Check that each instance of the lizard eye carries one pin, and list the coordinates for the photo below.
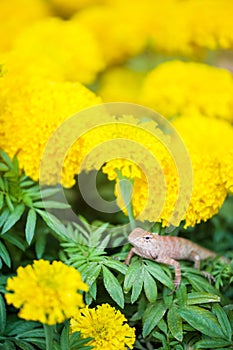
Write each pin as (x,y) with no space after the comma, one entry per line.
(147,238)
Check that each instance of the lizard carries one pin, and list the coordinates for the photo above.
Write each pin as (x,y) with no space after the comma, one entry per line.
(167,250)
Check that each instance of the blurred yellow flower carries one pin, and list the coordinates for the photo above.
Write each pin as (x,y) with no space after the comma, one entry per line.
(46,292)
(16,15)
(176,27)
(30,112)
(120,84)
(118,29)
(69,46)
(177,87)
(107,326)
(214,137)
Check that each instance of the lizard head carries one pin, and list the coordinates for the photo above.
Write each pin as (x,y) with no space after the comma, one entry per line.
(141,238)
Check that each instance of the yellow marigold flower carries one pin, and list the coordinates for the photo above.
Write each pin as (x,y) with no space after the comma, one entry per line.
(176,27)
(16,15)
(30,111)
(110,25)
(106,325)
(177,87)
(215,137)
(120,84)
(68,45)
(46,292)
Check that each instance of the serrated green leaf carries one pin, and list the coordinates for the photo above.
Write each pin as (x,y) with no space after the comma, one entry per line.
(5,255)
(150,287)
(2,315)
(156,270)
(113,286)
(116,265)
(175,323)
(64,339)
(152,316)
(201,298)
(212,344)
(134,269)
(51,205)
(223,320)
(13,217)
(202,320)
(30,225)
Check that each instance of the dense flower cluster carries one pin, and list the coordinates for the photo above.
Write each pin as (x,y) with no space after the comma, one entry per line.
(33,110)
(46,292)
(175,88)
(106,325)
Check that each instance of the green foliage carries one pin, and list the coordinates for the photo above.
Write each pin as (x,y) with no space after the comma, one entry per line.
(20,208)
(199,315)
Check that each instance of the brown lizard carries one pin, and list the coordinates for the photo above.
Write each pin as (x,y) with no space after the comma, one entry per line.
(167,250)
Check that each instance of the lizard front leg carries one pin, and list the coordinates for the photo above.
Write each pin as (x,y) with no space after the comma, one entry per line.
(129,256)
(169,261)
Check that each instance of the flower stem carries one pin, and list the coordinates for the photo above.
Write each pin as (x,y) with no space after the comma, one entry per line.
(126,187)
(49,332)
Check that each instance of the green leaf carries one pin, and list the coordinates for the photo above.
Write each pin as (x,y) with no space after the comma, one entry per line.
(5,255)
(132,274)
(201,298)
(17,241)
(157,271)
(175,323)
(6,158)
(13,217)
(23,345)
(116,265)
(9,203)
(200,283)
(51,205)
(40,244)
(3,167)
(152,316)
(53,222)
(7,345)
(150,287)
(64,340)
(46,192)
(223,320)
(202,320)
(2,315)
(1,200)
(113,287)
(137,286)
(76,342)
(30,225)
(212,344)
(4,216)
